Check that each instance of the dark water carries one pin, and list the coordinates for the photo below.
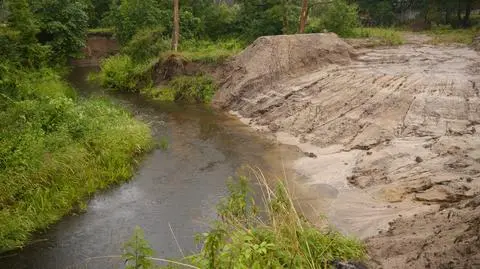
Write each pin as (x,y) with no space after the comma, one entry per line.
(176,189)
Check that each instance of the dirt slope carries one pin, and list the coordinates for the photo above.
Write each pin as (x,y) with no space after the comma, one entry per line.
(394,131)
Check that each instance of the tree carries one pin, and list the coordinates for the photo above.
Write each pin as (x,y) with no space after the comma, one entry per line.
(303,16)
(63,25)
(176,25)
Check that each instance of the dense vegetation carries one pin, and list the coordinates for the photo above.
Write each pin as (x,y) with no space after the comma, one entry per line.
(55,148)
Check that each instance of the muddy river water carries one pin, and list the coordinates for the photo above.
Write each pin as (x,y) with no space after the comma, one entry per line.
(174,191)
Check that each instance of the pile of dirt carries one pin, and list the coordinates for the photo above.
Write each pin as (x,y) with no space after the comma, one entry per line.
(397,127)
(271,58)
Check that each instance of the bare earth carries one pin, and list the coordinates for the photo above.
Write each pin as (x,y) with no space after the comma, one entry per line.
(394,152)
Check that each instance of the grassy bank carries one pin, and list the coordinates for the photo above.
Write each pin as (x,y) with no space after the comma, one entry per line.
(55,151)
(141,70)
(453,36)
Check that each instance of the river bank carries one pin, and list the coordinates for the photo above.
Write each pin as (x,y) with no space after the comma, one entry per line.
(178,187)
(391,131)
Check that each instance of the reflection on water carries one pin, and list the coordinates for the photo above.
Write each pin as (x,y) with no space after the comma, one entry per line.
(176,188)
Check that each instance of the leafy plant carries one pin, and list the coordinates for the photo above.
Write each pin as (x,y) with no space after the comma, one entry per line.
(137,251)
(278,237)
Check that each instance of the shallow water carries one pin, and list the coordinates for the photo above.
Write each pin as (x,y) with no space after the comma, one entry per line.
(174,191)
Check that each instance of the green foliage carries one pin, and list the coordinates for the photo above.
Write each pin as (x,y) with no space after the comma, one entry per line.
(341,18)
(272,17)
(450,36)
(147,44)
(121,73)
(137,252)
(386,36)
(205,51)
(55,151)
(277,238)
(63,26)
(132,15)
(193,89)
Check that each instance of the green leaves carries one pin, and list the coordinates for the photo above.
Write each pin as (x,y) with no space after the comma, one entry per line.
(137,251)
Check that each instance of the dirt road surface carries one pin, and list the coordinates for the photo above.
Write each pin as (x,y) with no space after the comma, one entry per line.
(391,136)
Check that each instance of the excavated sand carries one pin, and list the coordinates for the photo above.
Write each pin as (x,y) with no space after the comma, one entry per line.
(391,135)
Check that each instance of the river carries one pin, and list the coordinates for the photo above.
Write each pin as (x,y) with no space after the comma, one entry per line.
(174,191)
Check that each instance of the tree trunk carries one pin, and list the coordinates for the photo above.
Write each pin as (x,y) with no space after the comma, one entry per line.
(176,25)
(468,10)
(285,17)
(303,17)
(459,13)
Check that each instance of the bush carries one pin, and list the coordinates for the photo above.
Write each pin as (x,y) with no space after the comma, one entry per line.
(120,73)
(54,152)
(193,89)
(340,18)
(147,44)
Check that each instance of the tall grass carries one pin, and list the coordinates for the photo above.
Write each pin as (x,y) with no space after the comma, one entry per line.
(452,36)
(55,152)
(274,235)
(214,52)
(385,36)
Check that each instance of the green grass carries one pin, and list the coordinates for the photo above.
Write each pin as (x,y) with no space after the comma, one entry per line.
(452,36)
(55,152)
(214,52)
(184,89)
(274,235)
(386,36)
(101,31)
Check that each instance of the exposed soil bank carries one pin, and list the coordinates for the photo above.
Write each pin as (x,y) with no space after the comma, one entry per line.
(392,134)
(97,47)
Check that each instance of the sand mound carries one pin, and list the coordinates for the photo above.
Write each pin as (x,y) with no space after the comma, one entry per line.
(399,125)
(271,58)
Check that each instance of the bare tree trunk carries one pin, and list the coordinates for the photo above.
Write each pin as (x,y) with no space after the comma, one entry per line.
(176,25)
(303,16)
(285,17)
(468,10)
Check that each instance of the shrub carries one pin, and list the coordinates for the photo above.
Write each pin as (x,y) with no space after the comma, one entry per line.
(193,89)
(120,73)
(339,17)
(147,44)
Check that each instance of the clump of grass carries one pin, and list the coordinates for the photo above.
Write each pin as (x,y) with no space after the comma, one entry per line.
(101,31)
(121,73)
(205,51)
(279,237)
(453,36)
(55,152)
(385,36)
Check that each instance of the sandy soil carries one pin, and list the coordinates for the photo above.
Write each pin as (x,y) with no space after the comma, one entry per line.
(390,135)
